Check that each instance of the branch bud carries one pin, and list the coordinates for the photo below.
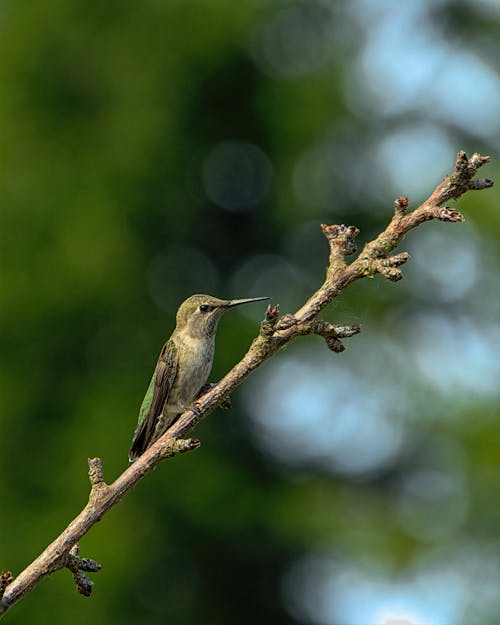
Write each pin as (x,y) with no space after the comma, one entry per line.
(447,213)
(5,579)
(335,344)
(401,205)
(479,184)
(268,325)
(77,566)
(341,239)
(388,267)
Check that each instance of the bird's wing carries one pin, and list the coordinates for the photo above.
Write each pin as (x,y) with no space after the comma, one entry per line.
(154,400)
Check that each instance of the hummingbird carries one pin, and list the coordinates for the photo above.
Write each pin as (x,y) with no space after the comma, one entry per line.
(183,367)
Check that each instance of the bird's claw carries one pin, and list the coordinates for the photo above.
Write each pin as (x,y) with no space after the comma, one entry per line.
(205,388)
(196,408)
(224,403)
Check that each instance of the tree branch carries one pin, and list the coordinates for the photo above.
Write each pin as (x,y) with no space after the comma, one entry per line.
(275,332)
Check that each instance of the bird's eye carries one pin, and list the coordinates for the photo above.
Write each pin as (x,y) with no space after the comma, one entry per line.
(205,308)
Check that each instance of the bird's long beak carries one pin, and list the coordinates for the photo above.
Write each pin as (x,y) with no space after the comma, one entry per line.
(248,300)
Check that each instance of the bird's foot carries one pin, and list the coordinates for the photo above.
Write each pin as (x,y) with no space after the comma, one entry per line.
(205,388)
(224,402)
(196,408)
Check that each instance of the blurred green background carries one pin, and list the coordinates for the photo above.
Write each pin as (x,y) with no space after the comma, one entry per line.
(150,150)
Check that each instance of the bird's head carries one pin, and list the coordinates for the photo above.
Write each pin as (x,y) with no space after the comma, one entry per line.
(200,314)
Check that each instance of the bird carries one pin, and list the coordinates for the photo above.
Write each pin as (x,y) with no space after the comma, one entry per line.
(183,367)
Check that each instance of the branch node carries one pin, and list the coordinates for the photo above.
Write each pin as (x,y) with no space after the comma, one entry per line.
(461,162)
(448,213)
(285,322)
(388,267)
(78,566)
(480,184)
(96,477)
(460,180)
(396,261)
(345,332)
(333,333)
(96,474)
(341,239)
(268,325)
(172,446)
(186,444)
(390,273)
(335,345)
(476,161)
(5,579)
(401,205)
(226,403)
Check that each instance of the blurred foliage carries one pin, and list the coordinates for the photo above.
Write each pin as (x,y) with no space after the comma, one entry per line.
(152,150)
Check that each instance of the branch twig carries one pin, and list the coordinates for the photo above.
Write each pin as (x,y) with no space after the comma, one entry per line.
(275,332)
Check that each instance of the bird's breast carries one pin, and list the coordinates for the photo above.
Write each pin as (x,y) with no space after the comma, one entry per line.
(195,358)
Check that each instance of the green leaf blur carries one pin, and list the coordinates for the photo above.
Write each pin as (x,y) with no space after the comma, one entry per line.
(150,150)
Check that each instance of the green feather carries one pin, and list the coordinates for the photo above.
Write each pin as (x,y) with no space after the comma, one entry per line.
(155,399)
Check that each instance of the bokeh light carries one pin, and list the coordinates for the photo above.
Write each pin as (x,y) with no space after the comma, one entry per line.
(295,40)
(459,587)
(345,425)
(181,271)
(236,176)
(440,358)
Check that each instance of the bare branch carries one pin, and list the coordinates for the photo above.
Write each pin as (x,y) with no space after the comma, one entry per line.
(275,332)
